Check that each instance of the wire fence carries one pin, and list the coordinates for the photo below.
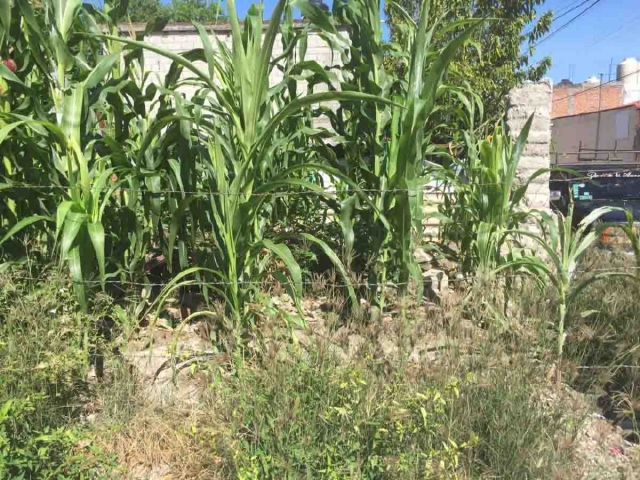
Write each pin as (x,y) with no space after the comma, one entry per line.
(433,185)
(354,283)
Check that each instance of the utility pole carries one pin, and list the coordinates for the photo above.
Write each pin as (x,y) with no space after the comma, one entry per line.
(598,124)
(610,69)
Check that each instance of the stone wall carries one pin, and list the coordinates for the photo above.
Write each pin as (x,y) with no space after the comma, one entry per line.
(182,37)
(522,102)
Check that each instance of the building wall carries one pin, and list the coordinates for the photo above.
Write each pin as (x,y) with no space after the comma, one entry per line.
(179,38)
(619,128)
(585,98)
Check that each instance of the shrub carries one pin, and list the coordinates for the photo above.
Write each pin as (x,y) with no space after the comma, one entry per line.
(51,453)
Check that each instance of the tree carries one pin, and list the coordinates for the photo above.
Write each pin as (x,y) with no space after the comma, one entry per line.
(144,10)
(498,57)
(202,11)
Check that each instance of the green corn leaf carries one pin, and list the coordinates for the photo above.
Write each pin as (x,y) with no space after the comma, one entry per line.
(25,222)
(96,234)
(336,263)
(284,254)
(8,74)
(99,186)
(595,215)
(302,102)
(5,19)
(315,15)
(61,215)
(101,70)
(5,131)
(29,17)
(176,220)
(208,49)
(65,14)
(553,256)
(179,59)
(72,113)
(75,271)
(72,225)
(437,70)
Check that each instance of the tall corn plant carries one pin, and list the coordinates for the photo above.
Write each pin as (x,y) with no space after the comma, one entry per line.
(68,131)
(563,247)
(386,149)
(240,141)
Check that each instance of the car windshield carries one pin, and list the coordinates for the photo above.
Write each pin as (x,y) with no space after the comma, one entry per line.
(608,185)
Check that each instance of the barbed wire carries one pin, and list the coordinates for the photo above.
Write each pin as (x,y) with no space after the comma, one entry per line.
(320,282)
(426,187)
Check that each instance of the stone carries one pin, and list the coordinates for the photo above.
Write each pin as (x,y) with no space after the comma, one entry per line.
(423,257)
(436,284)
(522,102)
(356,343)
(162,361)
(388,347)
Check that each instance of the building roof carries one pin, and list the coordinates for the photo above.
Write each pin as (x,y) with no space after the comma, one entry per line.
(632,104)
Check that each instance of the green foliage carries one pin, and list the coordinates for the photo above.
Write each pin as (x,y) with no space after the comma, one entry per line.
(145,10)
(45,347)
(563,247)
(202,11)
(513,428)
(313,418)
(499,55)
(316,418)
(26,453)
(482,197)
(44,360)
(397,142)
(605,329)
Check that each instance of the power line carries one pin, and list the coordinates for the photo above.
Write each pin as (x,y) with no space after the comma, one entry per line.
(571,10)
(596,87)
(565,25)
(616,31)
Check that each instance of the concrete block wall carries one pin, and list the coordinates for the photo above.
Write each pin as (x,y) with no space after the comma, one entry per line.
(178,38)
(522,102)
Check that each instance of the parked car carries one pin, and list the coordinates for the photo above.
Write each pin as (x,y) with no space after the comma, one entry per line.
(593,186)
(597,185)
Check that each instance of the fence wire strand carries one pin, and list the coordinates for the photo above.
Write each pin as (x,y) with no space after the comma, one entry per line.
(426,187)
(187,282)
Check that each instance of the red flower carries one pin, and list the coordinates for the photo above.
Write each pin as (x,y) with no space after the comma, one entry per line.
(10,64)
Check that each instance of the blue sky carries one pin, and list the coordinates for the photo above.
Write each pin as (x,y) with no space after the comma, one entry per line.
(608,30)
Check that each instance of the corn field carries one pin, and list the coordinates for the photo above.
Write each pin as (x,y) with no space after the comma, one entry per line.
(104,169)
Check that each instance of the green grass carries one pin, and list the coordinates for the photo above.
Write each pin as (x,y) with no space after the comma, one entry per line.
(315,418)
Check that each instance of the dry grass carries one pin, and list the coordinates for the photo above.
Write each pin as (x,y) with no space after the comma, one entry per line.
(173,444)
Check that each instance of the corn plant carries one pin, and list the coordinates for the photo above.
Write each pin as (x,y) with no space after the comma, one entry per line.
(386,149)
(239,142)
(486,197)
(563,247)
